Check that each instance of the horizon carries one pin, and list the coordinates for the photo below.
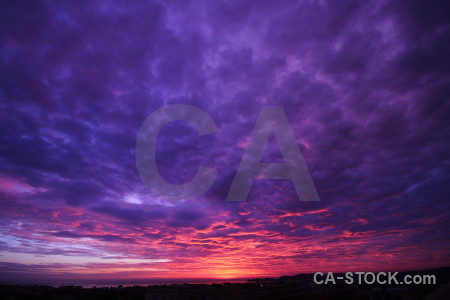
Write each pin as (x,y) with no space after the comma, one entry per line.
(351,96)
(105,282)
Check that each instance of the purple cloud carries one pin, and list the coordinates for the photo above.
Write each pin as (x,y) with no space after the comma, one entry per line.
(364,86)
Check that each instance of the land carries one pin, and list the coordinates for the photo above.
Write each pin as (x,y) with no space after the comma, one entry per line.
(300,286)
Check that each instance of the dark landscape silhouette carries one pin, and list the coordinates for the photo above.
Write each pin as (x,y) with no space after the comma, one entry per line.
(300,286)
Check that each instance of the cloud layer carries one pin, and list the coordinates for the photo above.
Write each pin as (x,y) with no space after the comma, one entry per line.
(364,84)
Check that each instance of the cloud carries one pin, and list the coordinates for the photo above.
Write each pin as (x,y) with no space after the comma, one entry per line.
(364,86)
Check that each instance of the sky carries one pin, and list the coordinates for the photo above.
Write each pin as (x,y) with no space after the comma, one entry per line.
(364,85)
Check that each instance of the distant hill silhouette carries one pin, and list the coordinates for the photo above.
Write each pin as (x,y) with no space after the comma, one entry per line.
(442,276)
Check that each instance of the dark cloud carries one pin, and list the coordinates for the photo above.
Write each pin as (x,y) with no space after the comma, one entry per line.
(104,237)
(136,214)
